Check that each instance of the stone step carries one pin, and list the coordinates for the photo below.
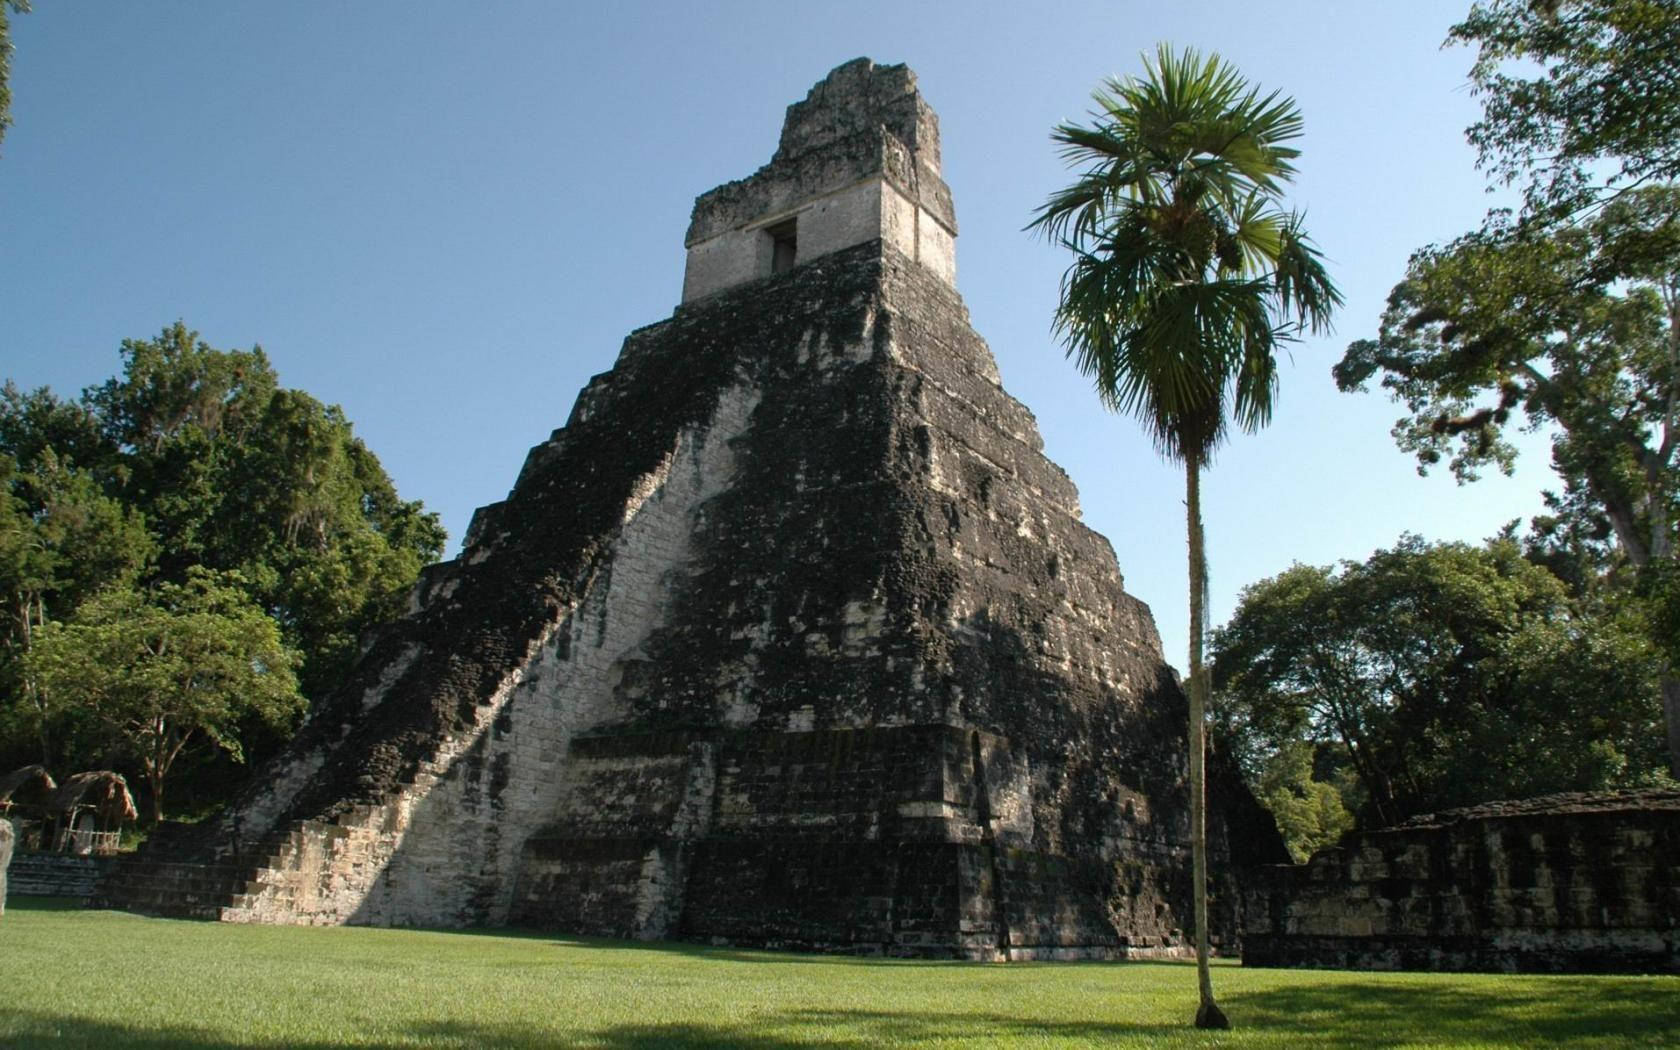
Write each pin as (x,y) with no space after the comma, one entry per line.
(55,874)
(146,882)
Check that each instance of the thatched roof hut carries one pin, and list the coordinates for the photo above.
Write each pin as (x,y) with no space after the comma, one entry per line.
(102,791)
(30,786)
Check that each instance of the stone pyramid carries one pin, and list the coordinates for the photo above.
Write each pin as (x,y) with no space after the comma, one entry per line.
(791,636)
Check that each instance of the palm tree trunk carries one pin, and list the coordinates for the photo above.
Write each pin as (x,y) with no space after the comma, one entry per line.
(1208,1014)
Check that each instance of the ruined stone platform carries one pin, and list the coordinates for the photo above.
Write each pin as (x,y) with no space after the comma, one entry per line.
(1566,883)
(791,636)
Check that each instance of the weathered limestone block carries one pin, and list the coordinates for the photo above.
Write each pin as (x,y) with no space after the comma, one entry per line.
(790,636)
(1564,883)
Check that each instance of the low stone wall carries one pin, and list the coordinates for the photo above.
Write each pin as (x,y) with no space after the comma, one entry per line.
(55,874)
(1566,883)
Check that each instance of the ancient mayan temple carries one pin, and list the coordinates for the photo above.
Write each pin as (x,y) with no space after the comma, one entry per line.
(791,636)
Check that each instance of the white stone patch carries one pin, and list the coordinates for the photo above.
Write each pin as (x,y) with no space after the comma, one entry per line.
(941,810)
(864,623)
(869,209)
(646,486)
(936,247)
(840,220)
(282,787)
(389,676)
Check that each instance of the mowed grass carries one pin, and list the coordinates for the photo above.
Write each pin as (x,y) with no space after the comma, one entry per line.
(78,978)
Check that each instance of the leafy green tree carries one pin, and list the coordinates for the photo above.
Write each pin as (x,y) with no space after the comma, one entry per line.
(312,519)
(1577,329)
(1529,727)
(1187,277)
(1568,315)
(6,49)
(1311,813)
(61,542)
(232,472)
(177,385)
(181,422)
(164,668)
(1581,97)
(36,423)
(1447,674)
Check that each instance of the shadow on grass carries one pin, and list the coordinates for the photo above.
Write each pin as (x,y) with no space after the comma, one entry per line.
(847,1029)
(1510,1013)
(80,904)
(776,956)
(1561,1010)
(1503,1011)
(563,940)
(697,950)
(860,1030)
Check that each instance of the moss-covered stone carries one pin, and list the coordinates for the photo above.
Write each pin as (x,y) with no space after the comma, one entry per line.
(1565,883)
(792,635)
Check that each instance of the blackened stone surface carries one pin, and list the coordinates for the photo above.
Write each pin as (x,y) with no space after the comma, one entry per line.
(791,636)
(1565,883)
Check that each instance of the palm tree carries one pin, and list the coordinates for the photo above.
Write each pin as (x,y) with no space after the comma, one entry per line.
(1188,275)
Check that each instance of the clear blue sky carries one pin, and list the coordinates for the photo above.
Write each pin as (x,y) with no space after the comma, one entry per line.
(445,217)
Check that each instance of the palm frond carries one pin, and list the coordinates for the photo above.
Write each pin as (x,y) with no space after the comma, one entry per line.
(1304,287)
(1257,226)
(1187,274)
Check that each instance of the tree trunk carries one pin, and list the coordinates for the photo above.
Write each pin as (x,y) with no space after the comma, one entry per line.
(1208,1014)
(156,781)
(29,688)
(45,737)
(1671,718)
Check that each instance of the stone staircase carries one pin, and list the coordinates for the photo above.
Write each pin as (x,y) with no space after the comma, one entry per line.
(309,871)
(145,881)
(287,877)
(55,874)
(188,891)
(314,871)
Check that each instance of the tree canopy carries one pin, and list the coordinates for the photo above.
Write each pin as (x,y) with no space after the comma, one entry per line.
(156,670)
(1188,273)
(194,459)
(6,49)
(1311,811)
(62,541)
(1581,98)
(1577,329)
(1439,675)
(1564,316)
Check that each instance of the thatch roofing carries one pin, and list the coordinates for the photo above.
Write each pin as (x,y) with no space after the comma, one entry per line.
(102,790)
(32,785)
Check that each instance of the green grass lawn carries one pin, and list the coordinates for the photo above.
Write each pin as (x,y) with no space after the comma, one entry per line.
(79,978)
